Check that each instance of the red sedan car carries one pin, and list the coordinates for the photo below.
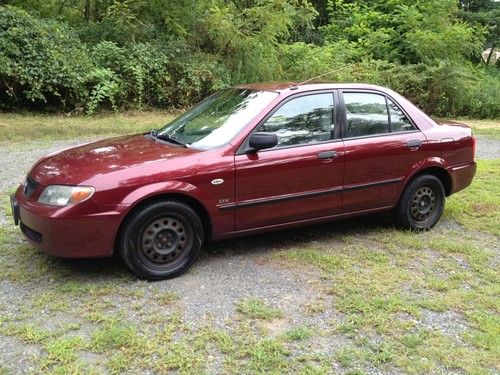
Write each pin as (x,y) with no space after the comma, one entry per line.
(248,159)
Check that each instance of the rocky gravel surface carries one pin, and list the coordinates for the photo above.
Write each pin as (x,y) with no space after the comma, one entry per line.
(487,148)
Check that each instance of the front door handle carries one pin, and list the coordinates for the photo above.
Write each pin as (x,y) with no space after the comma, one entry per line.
(414,144)
(325,155)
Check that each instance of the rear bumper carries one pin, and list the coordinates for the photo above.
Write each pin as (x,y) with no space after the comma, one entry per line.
(461,176)
(69,232)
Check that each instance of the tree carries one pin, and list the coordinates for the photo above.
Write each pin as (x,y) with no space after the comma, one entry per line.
(485,13)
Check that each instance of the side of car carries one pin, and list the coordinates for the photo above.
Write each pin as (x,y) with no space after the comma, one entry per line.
(315,155)
(313,173)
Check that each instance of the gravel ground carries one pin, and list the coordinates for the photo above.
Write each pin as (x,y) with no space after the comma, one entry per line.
(487,148)
(224,275)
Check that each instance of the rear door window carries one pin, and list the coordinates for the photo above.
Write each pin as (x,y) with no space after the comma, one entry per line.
(366,114)
(372,114)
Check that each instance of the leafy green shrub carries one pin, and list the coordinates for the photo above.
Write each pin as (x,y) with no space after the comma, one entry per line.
(134,53)
(446,88)
(42,62)
(155,75)
(439,87)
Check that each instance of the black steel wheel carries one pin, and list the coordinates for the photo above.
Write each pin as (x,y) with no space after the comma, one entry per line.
(421,204)
(161,240)
(165,239)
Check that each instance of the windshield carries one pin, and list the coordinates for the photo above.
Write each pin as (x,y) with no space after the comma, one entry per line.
(217,119)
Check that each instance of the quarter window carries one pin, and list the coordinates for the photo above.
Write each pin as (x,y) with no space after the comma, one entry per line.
(371,114)
(399,121)
(303,120)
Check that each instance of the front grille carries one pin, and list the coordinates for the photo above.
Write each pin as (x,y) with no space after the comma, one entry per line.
(32,234)
(30,186)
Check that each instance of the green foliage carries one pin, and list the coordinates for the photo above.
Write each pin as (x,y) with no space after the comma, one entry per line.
(88,55)
(251,52)
(40,61)
(44,65)
(405,31)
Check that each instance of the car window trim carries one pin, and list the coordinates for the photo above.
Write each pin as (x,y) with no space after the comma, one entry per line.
(342,110)
(382,135)
(336,131)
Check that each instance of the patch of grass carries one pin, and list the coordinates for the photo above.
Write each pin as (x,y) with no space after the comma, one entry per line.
(314,369)
(29,333)
(355,372)
(347,356)
(327,262)
(62,351)
(314,307)
(51,301)
(298,333)
(269,356)
(114,335)
(257,309)
(487,331)
(180,356)
(119,363)
(380,353)
(166,298)
(478,206)
(22,127)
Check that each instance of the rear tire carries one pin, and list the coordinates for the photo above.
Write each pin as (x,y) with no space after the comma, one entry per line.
(421,204)
(161,240)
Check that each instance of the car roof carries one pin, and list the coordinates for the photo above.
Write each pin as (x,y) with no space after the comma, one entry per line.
(297,87)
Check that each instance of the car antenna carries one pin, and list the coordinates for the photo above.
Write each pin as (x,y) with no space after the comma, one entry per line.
(318,76)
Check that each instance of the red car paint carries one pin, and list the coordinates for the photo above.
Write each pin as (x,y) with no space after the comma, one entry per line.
(261,191)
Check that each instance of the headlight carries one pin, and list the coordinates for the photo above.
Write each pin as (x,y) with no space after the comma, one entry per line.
(61,195)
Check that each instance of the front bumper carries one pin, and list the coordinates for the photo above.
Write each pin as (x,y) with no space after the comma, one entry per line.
(81,231)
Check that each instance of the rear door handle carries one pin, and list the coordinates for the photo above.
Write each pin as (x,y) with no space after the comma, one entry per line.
(414,144)
(327,155)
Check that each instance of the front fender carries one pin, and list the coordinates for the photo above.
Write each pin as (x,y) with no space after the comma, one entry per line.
(173,187)
(221,221)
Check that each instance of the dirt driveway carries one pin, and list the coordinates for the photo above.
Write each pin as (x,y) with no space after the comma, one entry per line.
(354,296)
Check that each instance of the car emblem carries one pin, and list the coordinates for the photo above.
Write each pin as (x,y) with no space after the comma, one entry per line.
(217,181)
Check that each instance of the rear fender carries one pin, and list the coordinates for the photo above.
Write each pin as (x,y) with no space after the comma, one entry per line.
(431,162)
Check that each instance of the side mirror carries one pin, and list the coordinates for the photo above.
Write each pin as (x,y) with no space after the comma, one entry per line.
(262,140)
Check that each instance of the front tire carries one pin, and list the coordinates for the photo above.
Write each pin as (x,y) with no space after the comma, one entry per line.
(421,204)
(161,240)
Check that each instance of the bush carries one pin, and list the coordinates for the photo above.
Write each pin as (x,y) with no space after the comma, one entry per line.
(439,87)
(130,54)
(155,75)
(42,63)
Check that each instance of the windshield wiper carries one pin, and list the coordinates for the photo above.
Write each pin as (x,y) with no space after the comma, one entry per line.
(167,138)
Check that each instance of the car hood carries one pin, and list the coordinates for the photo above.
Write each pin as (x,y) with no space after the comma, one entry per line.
(82,163)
